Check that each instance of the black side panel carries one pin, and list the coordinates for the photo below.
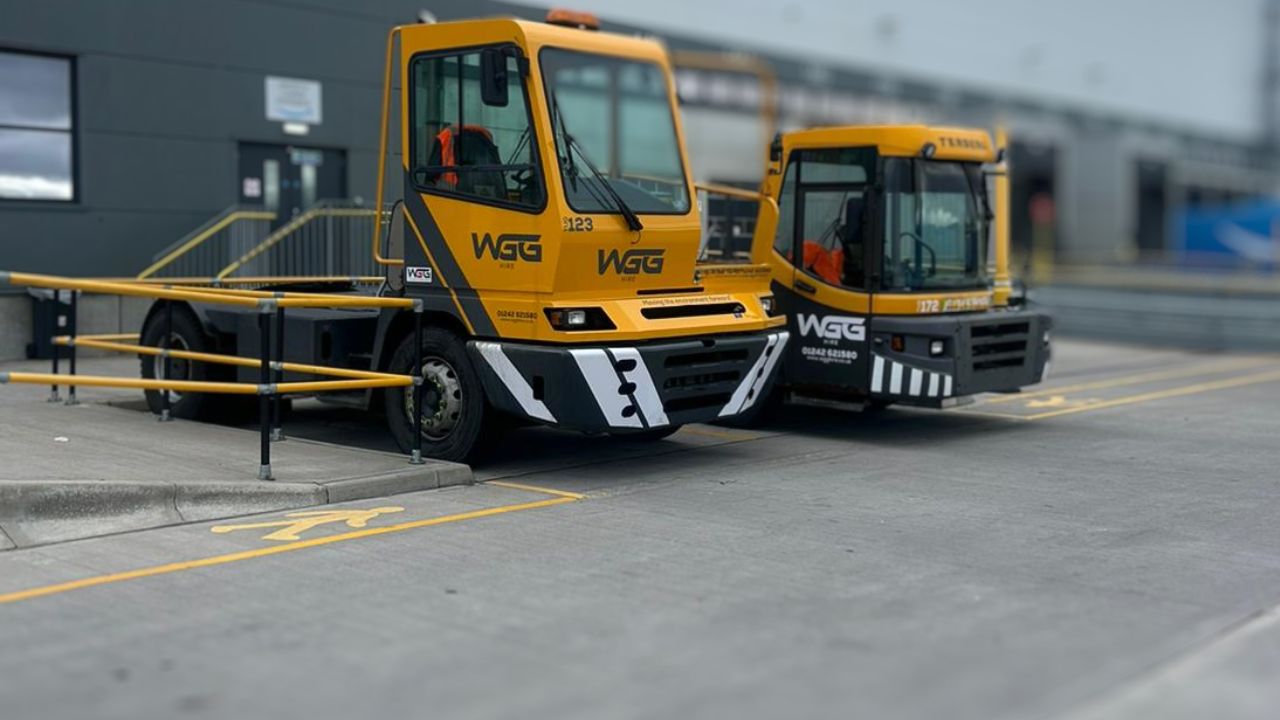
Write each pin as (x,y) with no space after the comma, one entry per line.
(828,347)
(445,264)
(338,338)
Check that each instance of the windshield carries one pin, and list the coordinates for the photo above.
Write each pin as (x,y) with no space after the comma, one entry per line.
(935,225)
(615,115)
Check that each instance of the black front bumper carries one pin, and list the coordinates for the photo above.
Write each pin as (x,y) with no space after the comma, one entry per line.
(629,388)
(1000,350)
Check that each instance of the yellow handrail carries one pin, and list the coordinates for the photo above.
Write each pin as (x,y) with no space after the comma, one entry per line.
(99,342)
(194,386)
(766,217)
(205,235)
(731,191)
(288,229)
(219,296)
(382,148)
(259,280)
(207,386)
(1003,286)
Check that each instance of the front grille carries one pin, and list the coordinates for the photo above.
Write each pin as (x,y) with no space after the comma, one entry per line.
(696,402)
(683,382)
(997,346)
(705,358)
(703,376)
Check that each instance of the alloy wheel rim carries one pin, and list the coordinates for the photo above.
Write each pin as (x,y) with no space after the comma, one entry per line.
(441,399)
(179,369)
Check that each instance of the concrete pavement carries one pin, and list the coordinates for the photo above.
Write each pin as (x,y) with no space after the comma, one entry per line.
(1105,547)
(94,468)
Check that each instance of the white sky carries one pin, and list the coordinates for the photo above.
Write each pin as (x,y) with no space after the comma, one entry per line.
(1191,63)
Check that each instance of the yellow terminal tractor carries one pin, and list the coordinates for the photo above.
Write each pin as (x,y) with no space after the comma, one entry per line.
(549,230)
(880,263)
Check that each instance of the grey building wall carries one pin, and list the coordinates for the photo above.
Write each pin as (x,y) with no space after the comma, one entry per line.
(167,89)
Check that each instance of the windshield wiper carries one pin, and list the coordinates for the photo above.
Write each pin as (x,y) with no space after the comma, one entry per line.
(633,220)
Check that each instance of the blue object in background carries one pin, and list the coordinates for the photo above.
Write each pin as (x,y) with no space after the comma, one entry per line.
(1230,236)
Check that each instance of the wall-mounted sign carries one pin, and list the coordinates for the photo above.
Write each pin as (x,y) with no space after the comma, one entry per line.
(293,101)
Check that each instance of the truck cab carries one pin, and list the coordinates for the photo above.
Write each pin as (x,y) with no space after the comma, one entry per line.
(881,264)
(548,239)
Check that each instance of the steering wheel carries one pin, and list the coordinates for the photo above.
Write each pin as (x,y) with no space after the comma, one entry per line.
(524,179)
(933,256)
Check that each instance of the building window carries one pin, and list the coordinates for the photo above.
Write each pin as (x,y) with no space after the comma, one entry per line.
(36,127)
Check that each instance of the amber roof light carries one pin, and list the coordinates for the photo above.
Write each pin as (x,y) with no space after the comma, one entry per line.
(573,19)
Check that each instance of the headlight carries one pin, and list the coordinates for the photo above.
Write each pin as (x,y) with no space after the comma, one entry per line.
(1046,337)
(574,319)
(769,304)
(937,347)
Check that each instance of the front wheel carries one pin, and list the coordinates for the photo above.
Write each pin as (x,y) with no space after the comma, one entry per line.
(455,419)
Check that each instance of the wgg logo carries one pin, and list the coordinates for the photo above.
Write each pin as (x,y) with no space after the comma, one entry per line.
(508,247)
(631,262)
(833,327)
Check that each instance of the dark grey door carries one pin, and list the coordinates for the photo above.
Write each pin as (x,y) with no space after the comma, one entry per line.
(290,178)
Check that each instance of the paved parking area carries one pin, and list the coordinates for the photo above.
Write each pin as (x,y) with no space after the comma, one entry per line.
(1105,547)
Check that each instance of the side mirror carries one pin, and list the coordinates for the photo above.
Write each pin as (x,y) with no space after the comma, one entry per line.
(775,149)
(493,77)
(853,218)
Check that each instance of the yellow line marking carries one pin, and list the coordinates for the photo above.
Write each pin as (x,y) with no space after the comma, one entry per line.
(722,435)
(300,522)
(1237,364)
(278,549)
(537,489)
(1255,379)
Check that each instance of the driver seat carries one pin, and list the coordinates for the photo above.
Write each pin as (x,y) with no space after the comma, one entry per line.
(472,145)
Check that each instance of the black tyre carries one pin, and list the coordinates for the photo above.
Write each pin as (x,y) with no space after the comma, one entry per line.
(654,434)
(187,334)
(877,405)
(457,425)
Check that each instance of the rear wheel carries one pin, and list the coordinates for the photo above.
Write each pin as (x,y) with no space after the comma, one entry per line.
(186,334)
(456,422)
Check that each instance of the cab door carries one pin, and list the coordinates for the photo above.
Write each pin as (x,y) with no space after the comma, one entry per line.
(824,230)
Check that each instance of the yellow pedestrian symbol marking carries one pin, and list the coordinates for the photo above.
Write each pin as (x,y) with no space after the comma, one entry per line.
(300,522)
(1051,401)
(1058,401)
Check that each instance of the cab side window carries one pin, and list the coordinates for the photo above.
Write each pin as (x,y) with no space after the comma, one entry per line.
(462,146)
(834,250)
(784,237)
(832,201)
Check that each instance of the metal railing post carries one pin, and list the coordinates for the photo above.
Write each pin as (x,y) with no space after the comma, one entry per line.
(264,391)
(57,349)
(418,381)
(277,432)
(166,345)
(71,352)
